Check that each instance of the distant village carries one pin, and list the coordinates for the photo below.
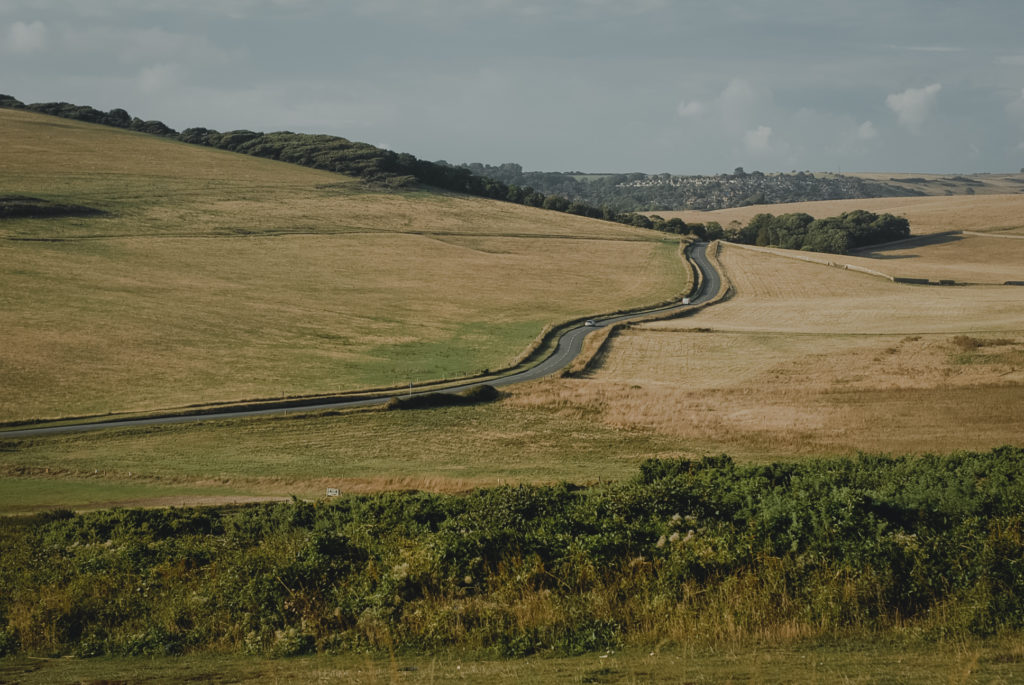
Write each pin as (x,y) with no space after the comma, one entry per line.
(741,188)
(654,192)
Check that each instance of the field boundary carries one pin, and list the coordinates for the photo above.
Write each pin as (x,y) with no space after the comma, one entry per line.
(812,260)
(903,280)
(993,235)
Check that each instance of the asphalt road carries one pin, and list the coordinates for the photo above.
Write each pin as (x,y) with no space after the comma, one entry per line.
(569,346)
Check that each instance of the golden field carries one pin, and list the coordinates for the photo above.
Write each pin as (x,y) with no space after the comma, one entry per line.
(805,359)
(970,258)
(927,215)
(218,277)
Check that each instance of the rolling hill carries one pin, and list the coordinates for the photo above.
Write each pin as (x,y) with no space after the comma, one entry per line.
(194,275)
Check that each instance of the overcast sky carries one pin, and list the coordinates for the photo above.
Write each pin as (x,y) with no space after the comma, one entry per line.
(686,86)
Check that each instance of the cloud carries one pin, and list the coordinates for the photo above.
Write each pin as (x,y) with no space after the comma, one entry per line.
(913,105)
(26,38)
(738,98)
(867,131)
(933,48)
(141,45)
(461,8)
(690,109)
(159,78)
(1011,60)
(1016,108)
(758,139)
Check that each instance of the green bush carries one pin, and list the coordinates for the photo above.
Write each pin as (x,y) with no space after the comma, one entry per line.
(831,545)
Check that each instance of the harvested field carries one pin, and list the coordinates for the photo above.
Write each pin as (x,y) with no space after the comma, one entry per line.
(807,359)
(964,258)
(775,293)
(927,215)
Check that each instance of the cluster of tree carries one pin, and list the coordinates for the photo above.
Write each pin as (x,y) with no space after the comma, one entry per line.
(837,234)
(115,117)
(662,192)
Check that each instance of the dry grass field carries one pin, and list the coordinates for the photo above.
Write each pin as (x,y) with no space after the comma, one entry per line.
(216,276)
(807,359)
(440,450)
(927,215)
(973,258)
(955,184)
(851,661)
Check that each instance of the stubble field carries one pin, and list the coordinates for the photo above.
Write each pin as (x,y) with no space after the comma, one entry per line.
(927,215)
(808,359)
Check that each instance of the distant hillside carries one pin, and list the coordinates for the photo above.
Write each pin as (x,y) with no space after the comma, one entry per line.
(635,192)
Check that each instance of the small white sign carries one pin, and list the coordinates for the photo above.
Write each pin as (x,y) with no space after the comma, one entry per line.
(332,492)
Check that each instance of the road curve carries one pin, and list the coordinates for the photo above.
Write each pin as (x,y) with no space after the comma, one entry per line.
(569,346)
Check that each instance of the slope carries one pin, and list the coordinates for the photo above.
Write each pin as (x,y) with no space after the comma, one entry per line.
(211,276)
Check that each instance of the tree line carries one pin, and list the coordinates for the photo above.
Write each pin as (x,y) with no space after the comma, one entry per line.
(837,234)
(337,154)
(394,169)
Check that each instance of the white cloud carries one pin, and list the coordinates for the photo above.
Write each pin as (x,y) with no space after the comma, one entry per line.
(758,139)
(934,48)
(159,78)
(738,98)
(141,45)
(913,105)
(690,109)
(1017,106)
(26,38)
(1011,60)
(867,131)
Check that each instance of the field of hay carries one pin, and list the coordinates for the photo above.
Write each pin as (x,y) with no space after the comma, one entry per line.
(807,359)
(927,215)
(971,258)
(215,276)
(955,184)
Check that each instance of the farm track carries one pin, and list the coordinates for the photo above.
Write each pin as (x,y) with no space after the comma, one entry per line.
(569,346)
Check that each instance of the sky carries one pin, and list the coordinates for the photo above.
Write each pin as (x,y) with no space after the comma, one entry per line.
(656,86)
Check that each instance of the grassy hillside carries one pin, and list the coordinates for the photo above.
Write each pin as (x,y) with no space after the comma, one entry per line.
(212,276)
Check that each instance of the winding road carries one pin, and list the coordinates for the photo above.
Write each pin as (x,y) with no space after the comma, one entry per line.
(569,346)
